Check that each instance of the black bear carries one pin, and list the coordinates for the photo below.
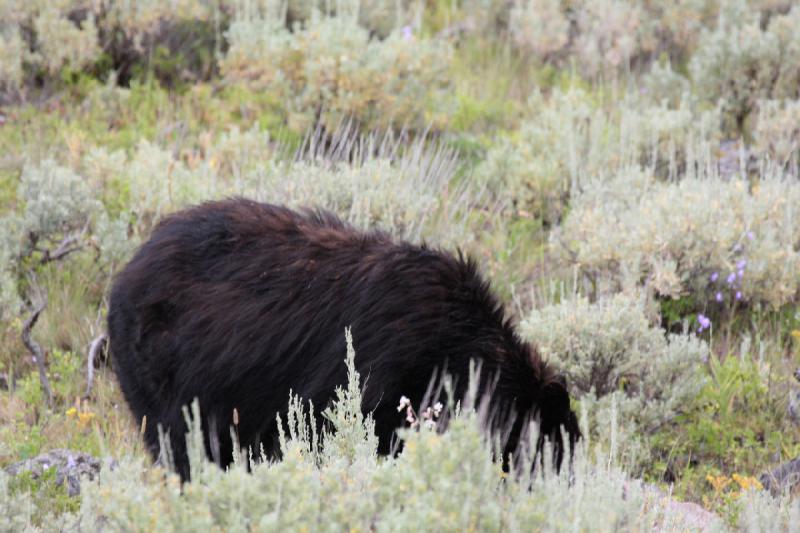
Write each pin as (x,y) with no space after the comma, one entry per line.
(236,302)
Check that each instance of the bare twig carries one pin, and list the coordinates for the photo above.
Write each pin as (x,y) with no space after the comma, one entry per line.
(71,243)
(36,350)
(782,478)
(67,246)
(98,345)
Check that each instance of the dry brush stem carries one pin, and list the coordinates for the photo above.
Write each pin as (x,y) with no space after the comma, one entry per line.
(98,345)
(782,478)
(36,350)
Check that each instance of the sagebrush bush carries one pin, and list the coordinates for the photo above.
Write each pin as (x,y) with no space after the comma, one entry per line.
(235,152)
(663,85)
(142,17)
(741,62)
(679,23)
(58,211)
(60,42)
(539,27)
(9,246)
(611,353)
(16,508)
(378,16)
(331,69)
(763,512)
(567,138)
(159,183)
(12,55)
(611,33)
(56,200)
(777,131)
(407,192)
(375,194)
(571,139)
(699,236)
(784,28)
(334,481)
(39,35)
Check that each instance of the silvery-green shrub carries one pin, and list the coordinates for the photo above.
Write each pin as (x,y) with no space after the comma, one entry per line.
(12,54)
(784,28)
(572,139)
(741,62)
(378,16)
(236,152)
(111,237)
(777,130)
(331,69)
(762,512)
(663,84)
(406,195)
(9,249)
(539,27)
(16,508)
(443,481)
(610,351)
(60,42)
(610,34)
(159,183)
(629,230)
(567,137)
(56,199)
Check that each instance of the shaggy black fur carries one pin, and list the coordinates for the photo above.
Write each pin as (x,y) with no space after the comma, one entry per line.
(237,302)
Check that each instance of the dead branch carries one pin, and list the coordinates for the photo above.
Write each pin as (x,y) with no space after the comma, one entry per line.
(99,344)
(36,350)
(782,478)
(71,243)
(66,247)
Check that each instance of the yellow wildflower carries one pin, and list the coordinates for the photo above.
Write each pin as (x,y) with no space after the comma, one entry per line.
(718,482)
(85,418)
(747,482)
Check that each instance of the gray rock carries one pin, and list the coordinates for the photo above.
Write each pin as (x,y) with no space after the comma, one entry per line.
(70,467)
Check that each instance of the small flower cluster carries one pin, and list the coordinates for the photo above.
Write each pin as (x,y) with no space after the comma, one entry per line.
(704,322)
(722,485)
(82,417)
(429,416)
(733,280)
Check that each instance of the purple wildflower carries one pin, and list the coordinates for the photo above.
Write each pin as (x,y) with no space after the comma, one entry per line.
(408,33)
(741,264)
(751,235)
(740,273)
(738,295)
(714,276)
(718,297)
(731,278)
(704,321)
